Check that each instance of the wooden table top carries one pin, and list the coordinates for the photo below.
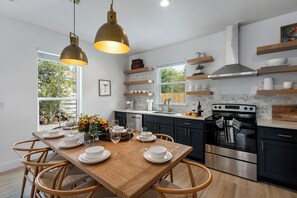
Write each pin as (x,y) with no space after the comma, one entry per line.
(129,174)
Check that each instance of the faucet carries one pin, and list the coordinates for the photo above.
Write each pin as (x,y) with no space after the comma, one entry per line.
(168,102)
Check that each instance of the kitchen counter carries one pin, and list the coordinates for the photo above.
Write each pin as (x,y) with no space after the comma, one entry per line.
(177,115)
(277,124)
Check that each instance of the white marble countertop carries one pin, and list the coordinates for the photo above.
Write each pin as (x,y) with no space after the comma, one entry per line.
(177,115)
(277,124)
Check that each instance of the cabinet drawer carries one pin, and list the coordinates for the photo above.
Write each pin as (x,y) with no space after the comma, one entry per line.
(158,119)
(120,115)
(278,134)
(197,124)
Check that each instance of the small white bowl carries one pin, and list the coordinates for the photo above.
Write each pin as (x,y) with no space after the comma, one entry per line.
(94,152)
(145,135)
(70,140)
(53,132)
(143,91)
(131,91)
(139,91)
(158,152)
(276,62)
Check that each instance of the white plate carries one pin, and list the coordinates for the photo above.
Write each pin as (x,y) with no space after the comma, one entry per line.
(63,145)
(69,128)
(85,160)
(46,136)
(167,157)
(152,138)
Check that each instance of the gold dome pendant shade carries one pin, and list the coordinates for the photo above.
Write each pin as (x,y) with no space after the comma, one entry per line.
(73,54)
(111,37)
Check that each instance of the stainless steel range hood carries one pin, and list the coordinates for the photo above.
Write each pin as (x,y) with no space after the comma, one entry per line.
(232,69)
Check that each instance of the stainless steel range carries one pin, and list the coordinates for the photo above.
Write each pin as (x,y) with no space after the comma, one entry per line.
(231,140)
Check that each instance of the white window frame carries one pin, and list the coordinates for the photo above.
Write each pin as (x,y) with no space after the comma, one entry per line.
(170,83)
(55,58)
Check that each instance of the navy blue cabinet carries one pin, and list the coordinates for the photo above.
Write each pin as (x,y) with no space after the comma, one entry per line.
(121,117)
(277,156)
(190,132)
(159,124)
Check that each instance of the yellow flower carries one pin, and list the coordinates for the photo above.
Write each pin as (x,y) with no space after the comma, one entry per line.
(84,121)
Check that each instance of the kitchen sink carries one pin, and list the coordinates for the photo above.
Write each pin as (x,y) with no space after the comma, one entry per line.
(165,112)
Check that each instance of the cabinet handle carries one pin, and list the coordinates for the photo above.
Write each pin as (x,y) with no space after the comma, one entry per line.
(285,136)
(189,132)
(262,145)
(155,126)
(185,132)
(187,123)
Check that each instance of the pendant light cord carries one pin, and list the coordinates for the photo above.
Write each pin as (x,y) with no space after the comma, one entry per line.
(74,17)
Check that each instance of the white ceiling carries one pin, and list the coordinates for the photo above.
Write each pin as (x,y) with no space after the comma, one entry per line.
(147,24)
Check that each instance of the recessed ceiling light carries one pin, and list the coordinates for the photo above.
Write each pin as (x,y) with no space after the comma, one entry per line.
(164,3)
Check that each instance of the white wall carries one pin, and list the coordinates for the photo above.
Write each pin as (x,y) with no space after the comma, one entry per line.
(251,36)
(18,81)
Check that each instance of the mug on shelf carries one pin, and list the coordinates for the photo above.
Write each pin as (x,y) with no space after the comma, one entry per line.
(288,85)
(267,83)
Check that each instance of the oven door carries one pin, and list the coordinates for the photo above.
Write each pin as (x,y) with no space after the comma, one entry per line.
(244,139)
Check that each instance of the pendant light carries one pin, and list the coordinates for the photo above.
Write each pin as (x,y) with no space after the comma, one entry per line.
(73,54)
(111,37)
(164,3)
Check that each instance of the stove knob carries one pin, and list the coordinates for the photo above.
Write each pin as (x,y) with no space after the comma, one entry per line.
(245,108)
(251,108)
(220,107)
(215,107)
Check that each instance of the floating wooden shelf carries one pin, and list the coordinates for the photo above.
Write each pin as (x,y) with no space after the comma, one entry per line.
(199,93)
(197,77)
(138,82)
(206,59)
(133,71)
(276,69)
(277,92)
(138,94)
(280,47)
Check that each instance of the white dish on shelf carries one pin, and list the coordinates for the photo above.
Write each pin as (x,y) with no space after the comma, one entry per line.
(47,136)
(63,145)
(82,158)
(148,157)
(150,139)
(276,62)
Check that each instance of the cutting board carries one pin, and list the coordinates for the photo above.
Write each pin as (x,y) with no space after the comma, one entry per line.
(284,112)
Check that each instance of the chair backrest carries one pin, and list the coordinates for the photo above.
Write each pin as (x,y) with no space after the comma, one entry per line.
(26,146)
(195,188)
(164,137)
(37,160)
(53,189)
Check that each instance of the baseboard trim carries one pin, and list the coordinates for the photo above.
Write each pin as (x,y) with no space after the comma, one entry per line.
(10,165)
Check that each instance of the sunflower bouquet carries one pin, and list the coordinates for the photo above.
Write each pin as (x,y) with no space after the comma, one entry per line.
(84,122)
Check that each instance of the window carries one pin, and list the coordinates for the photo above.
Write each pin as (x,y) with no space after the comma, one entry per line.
(172,82)
(58,91)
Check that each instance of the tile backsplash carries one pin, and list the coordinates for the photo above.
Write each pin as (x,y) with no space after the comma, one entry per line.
(263,103)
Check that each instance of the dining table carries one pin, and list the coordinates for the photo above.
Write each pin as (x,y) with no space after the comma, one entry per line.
(127,174)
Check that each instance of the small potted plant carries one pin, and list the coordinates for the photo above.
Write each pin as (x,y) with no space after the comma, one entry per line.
(199,69)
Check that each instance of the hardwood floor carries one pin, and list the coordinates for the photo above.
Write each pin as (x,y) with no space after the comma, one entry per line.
(222,186)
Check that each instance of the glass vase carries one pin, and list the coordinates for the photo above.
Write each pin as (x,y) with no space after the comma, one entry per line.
(87,138)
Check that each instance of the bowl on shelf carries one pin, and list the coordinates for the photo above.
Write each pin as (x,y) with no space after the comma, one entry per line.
(276,62)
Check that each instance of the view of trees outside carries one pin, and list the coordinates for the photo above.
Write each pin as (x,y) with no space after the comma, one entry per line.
(57,92)
(173,83)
